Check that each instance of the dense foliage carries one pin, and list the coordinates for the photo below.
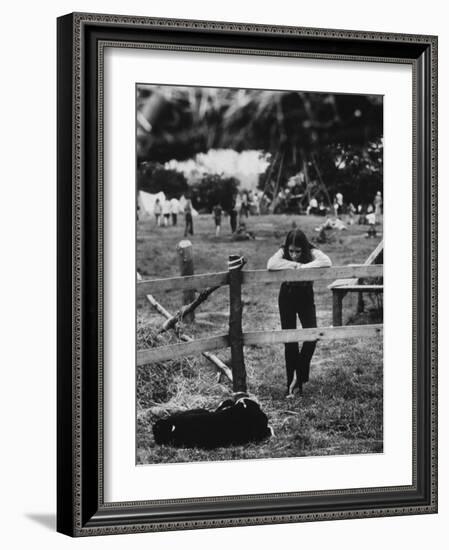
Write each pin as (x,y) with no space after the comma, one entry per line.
(354,171)
(212,190)
(153,177)
(335,139)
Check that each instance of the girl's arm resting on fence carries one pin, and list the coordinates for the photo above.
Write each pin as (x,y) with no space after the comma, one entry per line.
(320,259)
(278,262)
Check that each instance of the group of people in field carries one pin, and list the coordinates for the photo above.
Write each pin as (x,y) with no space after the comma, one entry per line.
(167,211)
(241,208)
(369,214)
(247,203)
(244,204)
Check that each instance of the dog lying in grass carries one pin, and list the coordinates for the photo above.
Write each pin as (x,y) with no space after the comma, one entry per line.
(232,423)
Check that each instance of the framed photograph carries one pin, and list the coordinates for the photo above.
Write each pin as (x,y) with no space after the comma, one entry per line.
(247,274)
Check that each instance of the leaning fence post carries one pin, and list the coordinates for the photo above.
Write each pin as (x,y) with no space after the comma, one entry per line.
(185,256)
(235,265)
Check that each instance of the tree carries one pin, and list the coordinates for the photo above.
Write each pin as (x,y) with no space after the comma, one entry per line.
(214,189)
(294,127)
(153,178)
(354,170)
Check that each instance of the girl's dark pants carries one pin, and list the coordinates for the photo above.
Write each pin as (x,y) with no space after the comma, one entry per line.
(297,299)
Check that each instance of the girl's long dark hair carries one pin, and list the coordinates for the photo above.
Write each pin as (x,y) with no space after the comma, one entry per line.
(296,237)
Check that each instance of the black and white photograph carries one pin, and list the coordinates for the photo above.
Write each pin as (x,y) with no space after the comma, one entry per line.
(259,254)
(222,291)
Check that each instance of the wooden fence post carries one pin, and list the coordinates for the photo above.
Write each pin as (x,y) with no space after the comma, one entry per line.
(185,256)
(235,324)
(360,303)
(337,307)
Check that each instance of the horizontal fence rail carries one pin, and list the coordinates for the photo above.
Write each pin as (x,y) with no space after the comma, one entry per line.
(311,274)
(311,334)
(191,282)
(176,351)
(197,282)
(358,288)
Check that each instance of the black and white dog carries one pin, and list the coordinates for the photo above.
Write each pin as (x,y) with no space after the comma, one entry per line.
(232,423)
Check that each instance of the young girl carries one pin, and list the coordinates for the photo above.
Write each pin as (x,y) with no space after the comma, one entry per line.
(158,211)
(188,217)
(297,299)
(217,213)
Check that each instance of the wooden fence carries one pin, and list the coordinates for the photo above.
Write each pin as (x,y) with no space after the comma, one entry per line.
(341,287)
(236,339)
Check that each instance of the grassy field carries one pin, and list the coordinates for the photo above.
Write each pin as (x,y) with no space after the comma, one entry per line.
(340,411)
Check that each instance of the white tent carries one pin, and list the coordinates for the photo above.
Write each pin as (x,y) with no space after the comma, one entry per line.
(146,203)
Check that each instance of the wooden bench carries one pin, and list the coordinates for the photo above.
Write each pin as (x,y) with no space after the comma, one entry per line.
(341,287)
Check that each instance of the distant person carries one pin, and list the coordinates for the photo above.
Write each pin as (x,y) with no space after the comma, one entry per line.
(297,299)
(188,218)
(378,205)
(322,210)
(335,207)
(351,213)
(158,211)
(244,209)
(217,213)
(312,209)
(238,206)
(166,212)
(339,198)
(174,209)
(242,233)
(253,199)
(362,214)
(331,223)
(233,215)
(371,219)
